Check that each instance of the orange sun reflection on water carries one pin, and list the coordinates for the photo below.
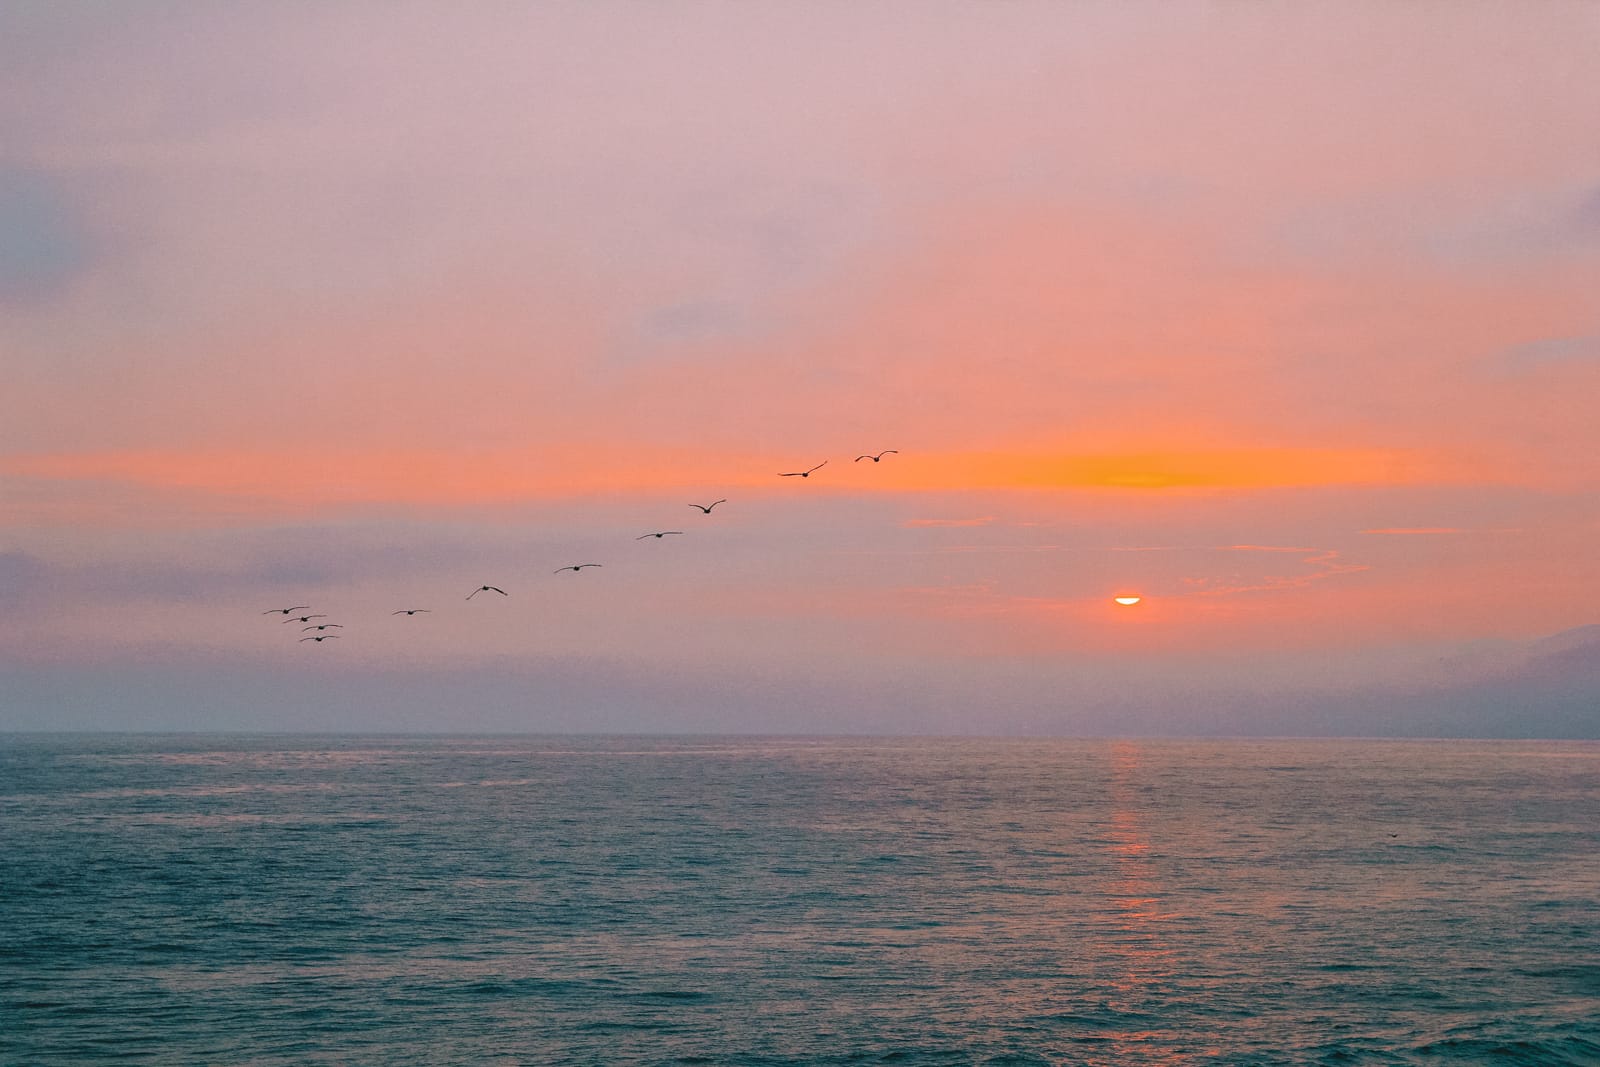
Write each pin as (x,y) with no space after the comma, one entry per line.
(1142,959)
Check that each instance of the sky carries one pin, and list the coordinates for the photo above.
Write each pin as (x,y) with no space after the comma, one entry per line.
(1281,317)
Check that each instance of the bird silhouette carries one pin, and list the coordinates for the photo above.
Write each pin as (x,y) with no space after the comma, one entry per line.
(487,589)
(707,507)
(658,533)
(285,611)
(413,611)
(320,637)
(879,457)
(304,618)
(574,567)
(323,626)
(804,474)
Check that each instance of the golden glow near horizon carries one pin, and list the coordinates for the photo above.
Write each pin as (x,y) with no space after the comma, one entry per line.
(1127,600)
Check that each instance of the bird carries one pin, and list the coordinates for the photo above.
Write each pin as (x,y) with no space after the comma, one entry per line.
(413,611)
(304,618)
(707,507)
(658,533)
(487,589)
(320,637)
(804,474)
(879,456)
(574,567)
(323,626)
(285,611)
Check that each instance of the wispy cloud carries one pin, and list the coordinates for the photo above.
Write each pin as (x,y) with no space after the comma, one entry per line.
(986,520)
(1549,351)
(1406,531)
(1324,563)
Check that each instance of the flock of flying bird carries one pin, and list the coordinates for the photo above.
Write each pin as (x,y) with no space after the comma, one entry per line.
(321,628)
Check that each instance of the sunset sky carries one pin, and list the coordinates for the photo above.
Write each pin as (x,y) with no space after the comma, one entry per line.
(1284,317)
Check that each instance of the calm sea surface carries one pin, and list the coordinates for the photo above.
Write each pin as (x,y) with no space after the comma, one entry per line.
(403,900)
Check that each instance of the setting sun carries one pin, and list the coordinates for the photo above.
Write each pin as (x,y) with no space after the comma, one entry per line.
(1127,600)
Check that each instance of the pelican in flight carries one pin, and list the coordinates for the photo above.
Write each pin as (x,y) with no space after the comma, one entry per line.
(879,457)
(707,507)
(574,567)
(804,474)
(485,589)
(319,638)
(658,533)
(285,611)
(413,611)
(324,626)
(304,618)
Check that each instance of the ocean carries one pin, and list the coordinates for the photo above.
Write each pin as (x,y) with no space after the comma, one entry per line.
(271,900)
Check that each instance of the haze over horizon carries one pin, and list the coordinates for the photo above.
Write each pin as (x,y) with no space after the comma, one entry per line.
(1281,318)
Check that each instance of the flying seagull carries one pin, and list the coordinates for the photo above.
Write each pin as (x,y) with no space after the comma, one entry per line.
(320,637)
(658,533)
(879,456)
(324,626)
(486,589)
(707,507)
(285,611)
(804,474)
(574,567)
(304,618)
(413,611)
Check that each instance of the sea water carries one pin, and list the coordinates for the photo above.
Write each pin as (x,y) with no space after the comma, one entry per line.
(757,901)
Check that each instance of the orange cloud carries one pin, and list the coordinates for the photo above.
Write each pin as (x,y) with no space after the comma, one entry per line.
(306,477)
(1172,467)
(423,477)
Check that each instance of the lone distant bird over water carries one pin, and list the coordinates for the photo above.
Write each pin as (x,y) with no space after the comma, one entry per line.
(804,474)
(285,611)
(484,589)
(574,567)
(707,507)
(413,611)
(658,533)
(879,457)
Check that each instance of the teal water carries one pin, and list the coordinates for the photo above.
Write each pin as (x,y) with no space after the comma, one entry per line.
(405,900)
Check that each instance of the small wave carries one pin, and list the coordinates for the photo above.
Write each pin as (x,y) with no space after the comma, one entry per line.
(652,1024)
(497,988)
(1566,1052)
(673,995)
(1106,1018)
(1585,976)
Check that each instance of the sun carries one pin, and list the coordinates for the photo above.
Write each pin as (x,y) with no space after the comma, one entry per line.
(1128,600)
